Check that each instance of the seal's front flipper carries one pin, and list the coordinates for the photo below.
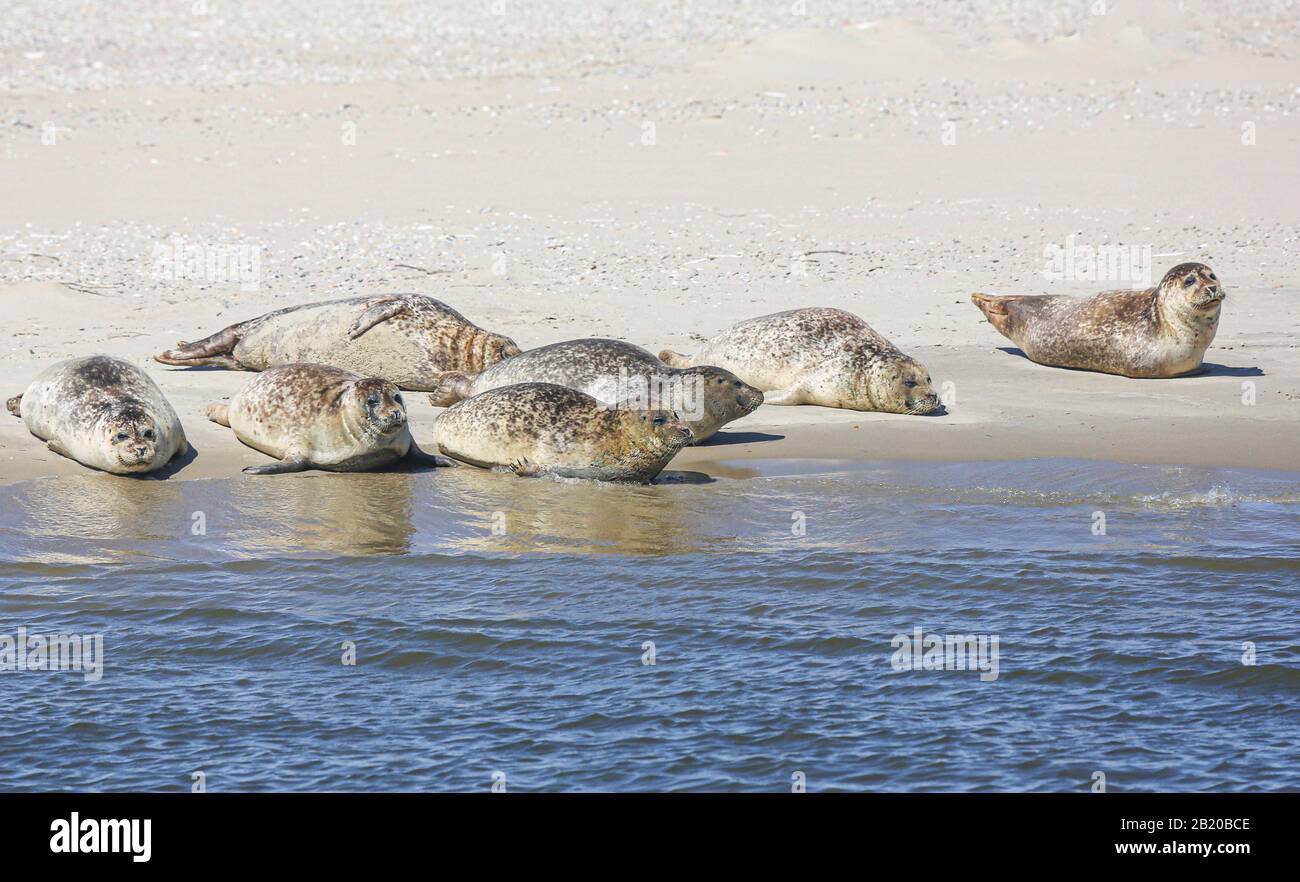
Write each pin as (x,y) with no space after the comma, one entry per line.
(793,395)
(15,406)
(212,351)
(452,386)
(218,413)
(419,457)
(525,468)
(376,314)
(55,447)
(286,466)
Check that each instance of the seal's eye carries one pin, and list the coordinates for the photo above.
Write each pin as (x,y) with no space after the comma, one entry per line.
(909,383)
(122,436)
(738,384)
(1189,281)
(148,434)
(397,398)
(1213,277)
(661,421)
(373,400)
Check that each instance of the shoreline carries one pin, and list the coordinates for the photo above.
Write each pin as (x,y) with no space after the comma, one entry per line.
(1002,406)
(969,432)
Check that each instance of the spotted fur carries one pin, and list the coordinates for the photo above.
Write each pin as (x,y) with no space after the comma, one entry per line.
(407,339)
(1159,332)
(104,413)
(312,416)
(543,428)
(600,368)
(818,356)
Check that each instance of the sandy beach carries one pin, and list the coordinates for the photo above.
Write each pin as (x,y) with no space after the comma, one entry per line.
(656,174)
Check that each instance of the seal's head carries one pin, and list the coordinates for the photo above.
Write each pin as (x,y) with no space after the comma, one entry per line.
(897,384)
(712,397)
(1194,285)
(129,436)
(662,431)
(379,406)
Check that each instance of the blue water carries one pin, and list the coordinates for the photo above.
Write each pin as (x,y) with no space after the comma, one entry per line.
(522,653)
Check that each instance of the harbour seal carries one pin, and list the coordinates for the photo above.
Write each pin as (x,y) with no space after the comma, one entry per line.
(104,413)
(615,372)
(818,356)
(1160,332)
(311,416)
(406,339)
(544,429)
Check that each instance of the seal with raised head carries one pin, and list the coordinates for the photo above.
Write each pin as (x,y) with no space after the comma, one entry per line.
(544,429)
(615,372)
(1160,332)
(818,356)
(104,413)
(407,339)
(311,416)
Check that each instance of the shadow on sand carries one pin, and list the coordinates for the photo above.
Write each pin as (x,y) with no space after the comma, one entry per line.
(1206,369)
(721,439)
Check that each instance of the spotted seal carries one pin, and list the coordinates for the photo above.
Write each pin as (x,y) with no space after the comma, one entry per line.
(615,372)
(545,429)
(1159,332)
(407,339)
(312,416)
(818,356)
(104,413)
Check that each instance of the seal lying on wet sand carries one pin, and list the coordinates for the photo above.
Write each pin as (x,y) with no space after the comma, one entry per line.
(104,413)
(615,372)
(818,356)
(406,339)
(1160,332)
(545,429)
(310,416)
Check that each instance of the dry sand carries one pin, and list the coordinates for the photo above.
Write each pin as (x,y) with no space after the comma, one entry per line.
(657,172)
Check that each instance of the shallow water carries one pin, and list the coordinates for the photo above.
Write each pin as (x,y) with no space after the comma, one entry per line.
(521,649)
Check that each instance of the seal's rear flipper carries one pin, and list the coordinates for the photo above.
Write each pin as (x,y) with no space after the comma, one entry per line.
(378,313)
(15,406)
(284,467)
(794,395)
(212,351)
(675,359)
(452,386)
(218,413)
(995,309)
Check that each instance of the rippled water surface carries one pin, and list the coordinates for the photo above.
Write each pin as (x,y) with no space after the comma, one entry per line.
(502,625)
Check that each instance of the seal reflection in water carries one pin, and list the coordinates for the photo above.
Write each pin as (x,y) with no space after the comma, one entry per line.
(348,514)
(545,429)
(1160,332)
(310,416)
(818,356)
(406,339)
(612,371)
(104,413)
